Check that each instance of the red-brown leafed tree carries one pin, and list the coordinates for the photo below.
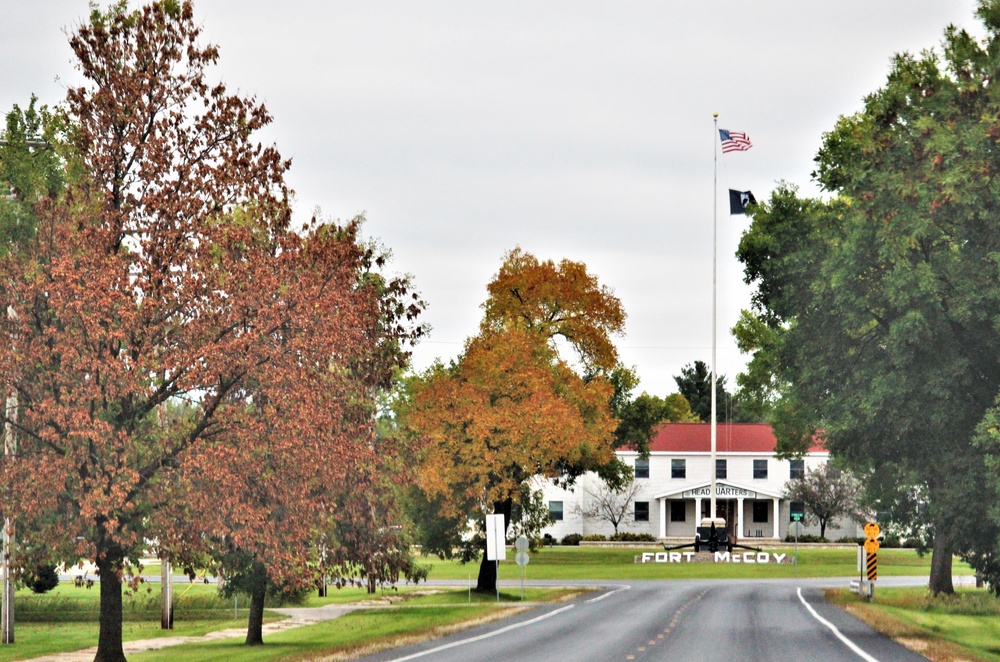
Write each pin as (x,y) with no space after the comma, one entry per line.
(263,506)
(165,273)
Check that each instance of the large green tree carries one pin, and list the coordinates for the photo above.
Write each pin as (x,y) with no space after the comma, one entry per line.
(695,384)
(883,305)
(32,169)
(986,559)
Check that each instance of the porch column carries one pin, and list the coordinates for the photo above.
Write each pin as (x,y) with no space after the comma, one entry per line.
(697,514)
(777,509)
(663,517)
(739,517)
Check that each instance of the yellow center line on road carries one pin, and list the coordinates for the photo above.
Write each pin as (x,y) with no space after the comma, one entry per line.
(673,623)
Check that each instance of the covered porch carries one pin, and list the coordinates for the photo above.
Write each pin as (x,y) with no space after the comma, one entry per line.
(749,513)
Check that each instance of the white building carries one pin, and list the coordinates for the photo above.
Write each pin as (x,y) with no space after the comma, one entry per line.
(674,486)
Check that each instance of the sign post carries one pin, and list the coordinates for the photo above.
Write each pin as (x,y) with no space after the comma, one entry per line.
(872,532)
(496,543)
(796,513)
(521,558)
(796,525)
(496,534)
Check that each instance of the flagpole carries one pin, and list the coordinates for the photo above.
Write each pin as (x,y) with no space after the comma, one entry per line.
(715,234)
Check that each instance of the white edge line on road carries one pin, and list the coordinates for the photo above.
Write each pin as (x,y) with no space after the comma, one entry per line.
(833,628)
(609,593)
(483,636)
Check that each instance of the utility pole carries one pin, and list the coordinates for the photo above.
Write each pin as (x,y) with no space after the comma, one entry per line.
(9,449)
(166,592)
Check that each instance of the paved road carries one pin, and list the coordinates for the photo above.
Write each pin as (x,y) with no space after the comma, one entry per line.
(705,621)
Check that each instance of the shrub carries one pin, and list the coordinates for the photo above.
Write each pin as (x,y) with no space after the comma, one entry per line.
(893,540)
(572,539)
(852,539)
(806,538)
(43,579)
(548,540)
(594,537)
(633,537)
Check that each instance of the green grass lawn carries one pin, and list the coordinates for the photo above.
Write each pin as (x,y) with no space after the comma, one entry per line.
(355,631)
(599,563)
(66,618)
(418,613)
(962,626)
(429,595)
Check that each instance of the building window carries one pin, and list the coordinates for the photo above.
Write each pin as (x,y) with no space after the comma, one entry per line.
(642,467)
(556,510)
(760,469)
(678,511)
(678,468)
(797,469)
(721,470)
(641,511)
(760,510)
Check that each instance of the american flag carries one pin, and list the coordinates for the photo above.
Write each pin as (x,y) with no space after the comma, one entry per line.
(734,141)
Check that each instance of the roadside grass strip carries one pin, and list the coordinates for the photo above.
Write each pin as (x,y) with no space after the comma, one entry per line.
(436,595)
(965,626)
(66,620)
(357,633)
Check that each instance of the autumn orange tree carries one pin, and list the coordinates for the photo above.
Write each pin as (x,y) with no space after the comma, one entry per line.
(167,272)
(512,406)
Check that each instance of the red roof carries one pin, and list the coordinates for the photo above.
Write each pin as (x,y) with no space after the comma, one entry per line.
(729,438)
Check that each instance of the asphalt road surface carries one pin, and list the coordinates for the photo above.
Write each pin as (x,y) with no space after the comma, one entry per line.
(702,621)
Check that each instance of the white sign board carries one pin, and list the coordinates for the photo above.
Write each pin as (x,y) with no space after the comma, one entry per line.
(496,538)
(721,490)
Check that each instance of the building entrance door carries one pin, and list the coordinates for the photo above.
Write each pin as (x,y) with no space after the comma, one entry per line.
(724,508)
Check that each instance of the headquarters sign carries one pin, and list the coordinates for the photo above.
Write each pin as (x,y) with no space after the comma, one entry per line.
(720,491)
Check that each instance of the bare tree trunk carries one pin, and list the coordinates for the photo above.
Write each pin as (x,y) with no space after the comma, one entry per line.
(109,642)
(487,582)
(255,626)
(941,559)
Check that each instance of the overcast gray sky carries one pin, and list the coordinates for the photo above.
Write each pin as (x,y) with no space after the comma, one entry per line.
(574,129)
